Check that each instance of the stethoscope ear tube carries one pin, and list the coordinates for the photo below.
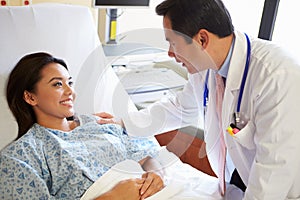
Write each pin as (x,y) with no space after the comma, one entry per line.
(238,108)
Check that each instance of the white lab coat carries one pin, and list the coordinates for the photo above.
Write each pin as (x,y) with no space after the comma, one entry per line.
(265,150)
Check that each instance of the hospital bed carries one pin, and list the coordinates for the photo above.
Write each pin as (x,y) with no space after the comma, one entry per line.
(69,32)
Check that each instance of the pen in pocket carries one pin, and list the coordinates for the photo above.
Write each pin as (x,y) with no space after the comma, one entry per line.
(232,129)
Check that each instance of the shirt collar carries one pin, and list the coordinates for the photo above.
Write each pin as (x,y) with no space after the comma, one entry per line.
(223,71)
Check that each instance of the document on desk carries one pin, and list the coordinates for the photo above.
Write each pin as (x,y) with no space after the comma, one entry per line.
(138,81)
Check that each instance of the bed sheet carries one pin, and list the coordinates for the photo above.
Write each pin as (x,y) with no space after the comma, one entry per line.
(183,182)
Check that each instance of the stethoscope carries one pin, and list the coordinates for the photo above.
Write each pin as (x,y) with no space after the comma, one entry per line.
(237,113)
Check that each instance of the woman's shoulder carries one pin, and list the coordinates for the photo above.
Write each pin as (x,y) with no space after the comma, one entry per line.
(28,140)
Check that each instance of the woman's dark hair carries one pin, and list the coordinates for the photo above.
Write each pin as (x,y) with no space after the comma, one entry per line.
(189,16)
(24,77)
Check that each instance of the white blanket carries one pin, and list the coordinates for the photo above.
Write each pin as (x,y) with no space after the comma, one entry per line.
(182,181)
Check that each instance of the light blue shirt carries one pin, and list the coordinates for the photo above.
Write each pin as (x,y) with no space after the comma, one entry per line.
(51,164)
(223,71)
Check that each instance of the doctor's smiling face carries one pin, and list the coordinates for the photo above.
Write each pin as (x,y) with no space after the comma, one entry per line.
(188,51)
(53,95)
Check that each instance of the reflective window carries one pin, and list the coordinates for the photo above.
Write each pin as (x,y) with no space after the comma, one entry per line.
(132,19)
(246,14)
(246,17)
(286,32)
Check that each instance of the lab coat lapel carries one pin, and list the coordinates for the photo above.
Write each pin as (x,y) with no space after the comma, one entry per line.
(233,81)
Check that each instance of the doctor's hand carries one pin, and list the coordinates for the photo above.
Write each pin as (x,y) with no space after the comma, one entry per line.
(106,118)
(153,183)
(124,190)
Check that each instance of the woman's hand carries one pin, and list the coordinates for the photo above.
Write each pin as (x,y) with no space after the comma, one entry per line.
(106,118)
(125,190)
(153,183)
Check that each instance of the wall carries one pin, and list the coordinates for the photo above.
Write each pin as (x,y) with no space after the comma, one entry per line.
(286,31)
(87,3)
(141,24)
(130,15)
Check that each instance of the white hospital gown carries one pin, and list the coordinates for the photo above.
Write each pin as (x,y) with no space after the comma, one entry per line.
(51,164)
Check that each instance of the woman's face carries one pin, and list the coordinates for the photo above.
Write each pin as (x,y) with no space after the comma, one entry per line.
(54,94)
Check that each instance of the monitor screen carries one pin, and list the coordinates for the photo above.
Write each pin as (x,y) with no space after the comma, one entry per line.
(120,3)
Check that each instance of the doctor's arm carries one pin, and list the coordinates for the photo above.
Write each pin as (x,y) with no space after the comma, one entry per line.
(276,163)
(107,118)
(178,111)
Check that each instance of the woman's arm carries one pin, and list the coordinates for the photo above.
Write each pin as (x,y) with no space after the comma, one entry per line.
(136,189)
(18,179)
(153,177)
(150,164)
(125,190)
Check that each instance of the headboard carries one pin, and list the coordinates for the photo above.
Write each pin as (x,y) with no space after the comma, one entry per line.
(67,32)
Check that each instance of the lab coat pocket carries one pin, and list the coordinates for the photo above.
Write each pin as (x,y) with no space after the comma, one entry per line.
(245,136)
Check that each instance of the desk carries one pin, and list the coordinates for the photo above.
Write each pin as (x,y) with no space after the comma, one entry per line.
(146,73)
(146,83)
(122,49)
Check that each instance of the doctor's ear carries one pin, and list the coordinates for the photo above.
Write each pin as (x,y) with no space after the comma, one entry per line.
(29,98)
(202,37)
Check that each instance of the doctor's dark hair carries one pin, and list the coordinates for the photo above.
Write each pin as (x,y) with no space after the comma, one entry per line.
(24,77)
(189,16)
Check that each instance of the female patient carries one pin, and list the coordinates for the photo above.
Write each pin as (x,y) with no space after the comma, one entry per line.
(58,158)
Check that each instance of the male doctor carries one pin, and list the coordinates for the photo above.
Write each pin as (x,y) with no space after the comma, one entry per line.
(257,124)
